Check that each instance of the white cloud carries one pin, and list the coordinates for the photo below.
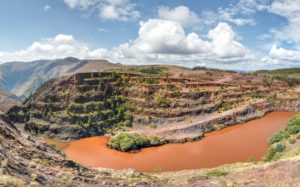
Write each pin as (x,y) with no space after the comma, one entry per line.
(60,46)
(284,54)
(116,10)
(180,14)
(166,41)
(165,37)
(223,43)
(81,4)
(47,7)
(241,13)
(290,9)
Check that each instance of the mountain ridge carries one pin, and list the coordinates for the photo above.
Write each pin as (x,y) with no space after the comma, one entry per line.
(23,78)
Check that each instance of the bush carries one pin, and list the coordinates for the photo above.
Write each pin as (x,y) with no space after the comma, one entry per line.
(276,138)
(278,148)
(295,121)
(225,107)
(268,81)
(293,129)
(127,142)
(162,101)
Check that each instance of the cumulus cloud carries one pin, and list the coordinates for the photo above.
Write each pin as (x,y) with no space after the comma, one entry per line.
(180,14)
(223,43)
(116,10)
(165,37)
(284,54)
(290,9)
(60,46)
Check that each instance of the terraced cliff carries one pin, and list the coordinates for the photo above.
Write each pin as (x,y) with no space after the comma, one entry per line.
(163,104)
(74,107)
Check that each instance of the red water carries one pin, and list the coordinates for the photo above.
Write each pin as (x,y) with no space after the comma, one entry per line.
(238,143)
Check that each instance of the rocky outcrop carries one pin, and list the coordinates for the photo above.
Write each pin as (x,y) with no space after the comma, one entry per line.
(33,162)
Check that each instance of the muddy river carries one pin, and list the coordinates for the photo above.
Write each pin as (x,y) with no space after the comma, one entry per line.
(238,143)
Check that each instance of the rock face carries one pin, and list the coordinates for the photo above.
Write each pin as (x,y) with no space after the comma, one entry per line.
(176,109)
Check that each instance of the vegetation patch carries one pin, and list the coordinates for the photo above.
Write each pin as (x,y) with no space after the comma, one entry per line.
(279,140)
(216,173)
(148,70)
(128,142)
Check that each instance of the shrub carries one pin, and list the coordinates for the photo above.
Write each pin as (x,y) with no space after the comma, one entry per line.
(127,142)
(225,107)
(293,129)
(276,138)
(271,153)
(278,148)
(268,81)
(115,75)
(295,121)
(162,101)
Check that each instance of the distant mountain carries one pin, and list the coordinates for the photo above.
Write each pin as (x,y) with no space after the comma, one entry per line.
(23,78)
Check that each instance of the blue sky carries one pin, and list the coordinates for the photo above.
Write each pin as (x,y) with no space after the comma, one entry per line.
(233,34)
